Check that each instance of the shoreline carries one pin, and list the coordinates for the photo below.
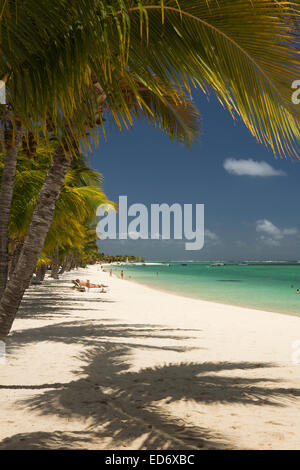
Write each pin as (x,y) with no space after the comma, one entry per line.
(138,368)
(165,290)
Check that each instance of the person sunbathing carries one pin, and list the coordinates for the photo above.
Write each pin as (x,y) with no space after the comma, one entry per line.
(88,284)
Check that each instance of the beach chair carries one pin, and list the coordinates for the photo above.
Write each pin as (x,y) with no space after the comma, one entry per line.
(77,286)
(101,290)
(80,288)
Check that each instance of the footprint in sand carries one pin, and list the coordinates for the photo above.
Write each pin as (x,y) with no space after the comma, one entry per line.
(274,422)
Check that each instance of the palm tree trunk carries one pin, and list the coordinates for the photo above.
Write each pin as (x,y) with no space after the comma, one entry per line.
(6,193)
(55,265)
(14,258)
(41,272)
(69,262)
(64,265)
(33,245)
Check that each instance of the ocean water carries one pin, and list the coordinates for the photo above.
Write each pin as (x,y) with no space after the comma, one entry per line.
(264,286)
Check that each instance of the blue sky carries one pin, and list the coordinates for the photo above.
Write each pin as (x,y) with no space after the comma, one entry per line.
(246,217)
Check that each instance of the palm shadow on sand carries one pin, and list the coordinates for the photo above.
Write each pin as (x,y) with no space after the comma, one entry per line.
(118,405)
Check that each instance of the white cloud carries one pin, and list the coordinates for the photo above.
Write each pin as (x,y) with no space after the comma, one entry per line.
(211,237)
(251,168)
(272,235)
(267,227)
(269,241)
(290,231)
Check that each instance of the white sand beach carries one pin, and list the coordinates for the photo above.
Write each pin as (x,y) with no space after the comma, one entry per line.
(142,369)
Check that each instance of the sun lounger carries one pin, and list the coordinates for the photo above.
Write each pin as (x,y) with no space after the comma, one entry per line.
(96,289)
(80,288)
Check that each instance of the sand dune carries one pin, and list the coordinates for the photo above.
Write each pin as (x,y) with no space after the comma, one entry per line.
(142,369)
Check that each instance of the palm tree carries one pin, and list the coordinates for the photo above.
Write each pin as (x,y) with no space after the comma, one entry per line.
(173,113)
(74,214)
(49,100)
(139,58)
(43,62)
(9,142)
(35,85)
(75,208)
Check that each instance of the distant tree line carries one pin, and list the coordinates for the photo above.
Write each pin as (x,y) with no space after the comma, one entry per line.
(102,257)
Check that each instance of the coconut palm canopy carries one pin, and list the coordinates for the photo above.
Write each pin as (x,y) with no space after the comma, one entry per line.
(246,51)
(73,221)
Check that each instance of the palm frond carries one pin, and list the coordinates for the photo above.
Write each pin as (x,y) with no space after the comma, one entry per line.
(246,51)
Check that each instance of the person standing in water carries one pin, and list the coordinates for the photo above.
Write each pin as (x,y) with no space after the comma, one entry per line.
(122,274)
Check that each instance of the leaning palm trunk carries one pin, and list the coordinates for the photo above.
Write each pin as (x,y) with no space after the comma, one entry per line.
(41,272)
(14,257)
(70,262)
(37,232)
(6,193)
(55,265)
(65,264)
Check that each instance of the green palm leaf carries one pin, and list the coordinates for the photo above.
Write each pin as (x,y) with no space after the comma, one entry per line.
(246,51)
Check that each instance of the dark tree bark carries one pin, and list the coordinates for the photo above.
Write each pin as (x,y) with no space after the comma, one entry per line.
(10,146)
(14,258)
(41,272)
(65,264)
(55,265)
(70,262)
(33,245)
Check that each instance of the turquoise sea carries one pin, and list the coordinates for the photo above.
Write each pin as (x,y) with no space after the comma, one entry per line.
(265,286)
